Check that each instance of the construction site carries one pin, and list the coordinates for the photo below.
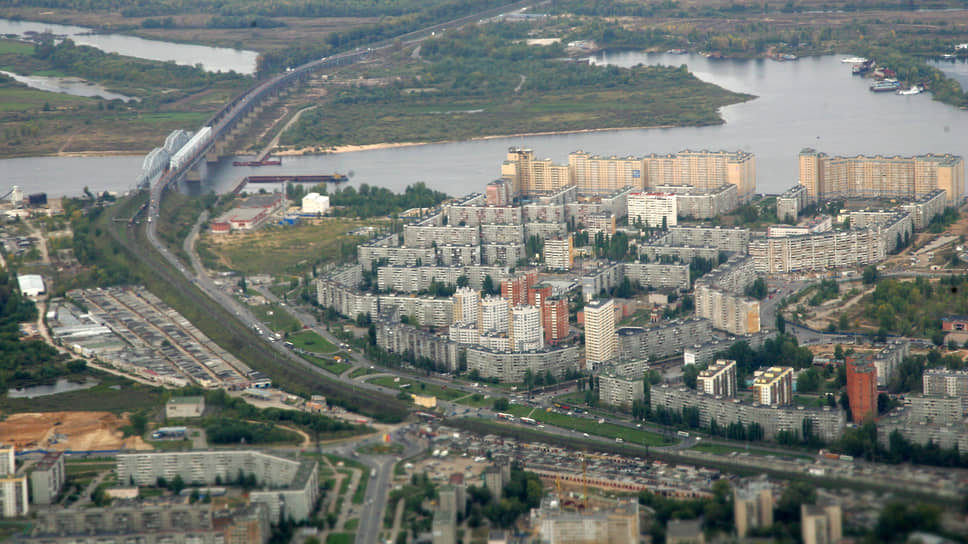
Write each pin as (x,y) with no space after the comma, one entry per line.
(62,431)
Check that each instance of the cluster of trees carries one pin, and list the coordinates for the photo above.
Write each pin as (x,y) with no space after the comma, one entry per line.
(716,512)
(234,408)
(613,248)
(90,63)
(368,201)
(862,442)
(825,290)
(234,431)
(522,493)
(757,290)
(240,21)
(915,308)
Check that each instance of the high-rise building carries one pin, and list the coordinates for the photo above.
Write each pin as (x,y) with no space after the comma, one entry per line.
(653,209)
(599,331)
(773,386)
(494,315)
(600,175)
(867,177)
(554,320)
(559,253)
(821,524)
(603,222)
(525,329)
(515,290)
(752,507)
(530,176)
(719,379)
(862,388)
(13,488)
(467,305)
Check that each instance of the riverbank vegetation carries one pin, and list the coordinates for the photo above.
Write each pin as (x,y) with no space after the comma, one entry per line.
(512,88)
(168,97)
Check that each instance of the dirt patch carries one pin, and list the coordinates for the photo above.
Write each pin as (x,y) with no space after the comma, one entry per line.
(78,431)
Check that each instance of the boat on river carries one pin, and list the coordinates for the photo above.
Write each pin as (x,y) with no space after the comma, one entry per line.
(913,90)
(888,85)
(853,60)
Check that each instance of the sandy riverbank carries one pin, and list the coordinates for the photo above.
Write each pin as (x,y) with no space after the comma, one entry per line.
(369,147)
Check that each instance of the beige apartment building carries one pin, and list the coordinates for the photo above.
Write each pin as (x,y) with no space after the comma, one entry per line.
(827,176)
(595,174)
(599,331)
(773,386)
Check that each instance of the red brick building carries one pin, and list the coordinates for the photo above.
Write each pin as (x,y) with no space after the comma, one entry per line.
(554,319)
(515,290)
(862,388)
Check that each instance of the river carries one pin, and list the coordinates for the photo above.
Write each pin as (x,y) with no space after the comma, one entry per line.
(809,102)
(212,59)
(68,85)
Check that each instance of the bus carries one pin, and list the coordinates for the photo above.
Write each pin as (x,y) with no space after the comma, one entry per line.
(683,434)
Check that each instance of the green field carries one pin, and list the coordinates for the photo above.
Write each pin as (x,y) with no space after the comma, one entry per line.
(363,372)
(329,365)
(352,524)
(341,538)
(276,317)
(312,341)
(590,426)
(418,388)
(476,400)
(112,394)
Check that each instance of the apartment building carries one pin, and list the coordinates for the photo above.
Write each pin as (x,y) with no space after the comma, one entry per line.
(554,320)
(477,213)
(653,209)
(531,176)
(602,175)
(695,203)
(773,386)
(464,333)
(944,382)
(428,311)
(599,332)
(854,247)
(47,478)
(383,251)
(752,506)
(495,313)
(289,486)
(862,388)
(719,379)
(433,236)
(616,203)
(720,297)
(926,208)
(467,305)
(13,488)
(616,389)
(826,423)
(616,525)
(827,177)
(663,340)
(821,524)
(346,300)
(503,254)
(791,203)
(734,240)
(515,289)
(658,276)
(811,226)
(600,222)
(502,234)
(545,231)
(498,193)
(458,255)
(895,226)
(525,329)
(559,253)
(511,367)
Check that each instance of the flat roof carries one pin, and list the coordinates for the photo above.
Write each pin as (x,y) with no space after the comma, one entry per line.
(186,400)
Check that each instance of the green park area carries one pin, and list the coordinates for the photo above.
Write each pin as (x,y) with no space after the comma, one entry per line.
(312,341)
(410,385)
(725,449)
(591,426)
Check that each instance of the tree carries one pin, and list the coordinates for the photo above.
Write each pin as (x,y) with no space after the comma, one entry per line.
(501,404)
(838,352)
(177,484)
(842,322)
(780,323)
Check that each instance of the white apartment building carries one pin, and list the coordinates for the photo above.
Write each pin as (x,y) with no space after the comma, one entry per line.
(653,209)
(525,330)
(494,315)
(773,386)
(13,489)
(467,305)
(620,390)
(599,331)
(559,254)
(719,379)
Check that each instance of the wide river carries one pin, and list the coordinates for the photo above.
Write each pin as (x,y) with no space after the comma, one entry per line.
(811,102)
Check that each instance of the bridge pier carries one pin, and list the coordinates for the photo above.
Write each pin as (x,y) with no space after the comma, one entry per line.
(194,174)
(212,155)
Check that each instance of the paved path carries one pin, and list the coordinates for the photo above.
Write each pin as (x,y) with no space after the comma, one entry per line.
(397,519)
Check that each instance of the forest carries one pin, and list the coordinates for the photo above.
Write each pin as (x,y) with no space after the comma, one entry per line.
(372,201)
(915,308)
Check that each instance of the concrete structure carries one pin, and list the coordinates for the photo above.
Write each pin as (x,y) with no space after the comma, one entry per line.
(895,226)
(161,521)
(432,235)
(720,297)
(617,525)
(578,212)
(854,247)
(705,352)
(599,332)
(944,382)
(658,276)
(826,423)
(927,419)
(733,240)
(663,340)
(252,212)
(467,305)
(444,527)
(31,285)
(888,359)
(428,311)
(184,407)
(813,225)
(827,177)
(502,234)
(414,343)
(752,507)
(773,386)
(47,478)
(554,320)
(511,367)
(619,390)
(695,203)
(559,253)
(600,222)
(13,488)
(286,485)
(719,379)
(791,203)
(498,193)
(495,314)
(653,209)
(515,290)
(530,176)
(315,203)
(926,208)
(413,279)
(503,254)
(524,329)
(821,524)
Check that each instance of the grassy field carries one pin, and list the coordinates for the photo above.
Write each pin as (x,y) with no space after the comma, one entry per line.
(171,445)
(341,538)
(418,388)
(329,365)
(287,250)
(352,524)
(590,426)
(723,449)
(476,400)
(278,319)
(112,394)
(312,341)
(363,372)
